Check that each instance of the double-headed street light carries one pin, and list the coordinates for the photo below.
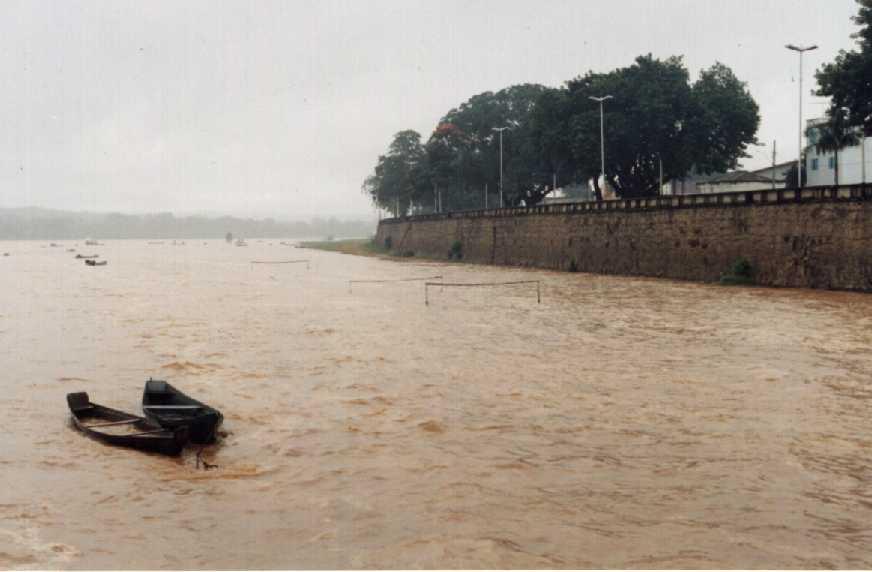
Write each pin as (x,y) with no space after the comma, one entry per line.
(801,50)
(501,129)
(600,100)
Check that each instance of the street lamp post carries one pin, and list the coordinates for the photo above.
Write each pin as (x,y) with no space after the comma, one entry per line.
(801,50)
(600,100)
(863,149)
(500,130)
(660,188)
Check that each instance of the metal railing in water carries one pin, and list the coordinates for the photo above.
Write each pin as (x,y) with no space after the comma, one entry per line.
(841,193)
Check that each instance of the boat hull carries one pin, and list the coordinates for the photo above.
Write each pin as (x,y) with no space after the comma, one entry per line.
(95,420)
(167,406)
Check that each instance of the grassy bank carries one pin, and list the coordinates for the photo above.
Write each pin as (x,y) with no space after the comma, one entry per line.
(358,246)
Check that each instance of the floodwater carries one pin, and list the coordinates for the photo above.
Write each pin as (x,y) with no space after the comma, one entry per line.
(621,422)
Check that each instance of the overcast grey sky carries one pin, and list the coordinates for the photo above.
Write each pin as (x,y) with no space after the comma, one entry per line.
(282,108)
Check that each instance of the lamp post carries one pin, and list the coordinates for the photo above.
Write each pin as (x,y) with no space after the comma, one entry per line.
(801,50)
(660,188)
(863,149)
(600,100)
(500,130)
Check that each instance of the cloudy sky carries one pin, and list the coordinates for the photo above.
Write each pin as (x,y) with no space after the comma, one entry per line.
(282,108)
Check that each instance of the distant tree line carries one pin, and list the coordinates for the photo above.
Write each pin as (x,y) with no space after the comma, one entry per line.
(36,223)
(656,117)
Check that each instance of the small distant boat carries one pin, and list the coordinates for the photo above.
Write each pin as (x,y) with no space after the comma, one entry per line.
(240,242)
(82,256)
(123,429)
(91,242)
(170,408)
(95,263)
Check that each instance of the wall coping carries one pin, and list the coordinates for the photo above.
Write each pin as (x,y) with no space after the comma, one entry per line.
(828,194)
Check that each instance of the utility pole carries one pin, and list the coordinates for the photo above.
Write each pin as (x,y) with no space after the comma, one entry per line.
(773,164)
(801,50)
(660,188)
(500,130)
(602,137)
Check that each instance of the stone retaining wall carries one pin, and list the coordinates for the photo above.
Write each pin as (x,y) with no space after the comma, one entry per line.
(817,237)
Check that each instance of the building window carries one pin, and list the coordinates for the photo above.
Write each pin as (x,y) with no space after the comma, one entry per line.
(831,162)
(814,164)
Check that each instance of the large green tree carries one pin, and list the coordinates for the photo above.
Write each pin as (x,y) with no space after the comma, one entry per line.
(474,159)
(400,178)
(655,117)
(847,81)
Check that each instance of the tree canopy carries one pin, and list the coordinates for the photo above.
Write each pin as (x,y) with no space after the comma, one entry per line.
(397,180)
(553,135)
(655,116)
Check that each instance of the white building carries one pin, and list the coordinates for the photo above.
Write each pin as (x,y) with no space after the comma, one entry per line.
(820,168)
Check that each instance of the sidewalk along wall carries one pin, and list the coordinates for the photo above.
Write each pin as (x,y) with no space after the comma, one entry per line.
(816,238)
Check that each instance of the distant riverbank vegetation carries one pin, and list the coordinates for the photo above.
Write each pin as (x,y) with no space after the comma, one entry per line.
(358,246)
(46,224)
(656,116)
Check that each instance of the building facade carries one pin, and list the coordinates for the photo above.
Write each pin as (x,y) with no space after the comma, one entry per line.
(820,168)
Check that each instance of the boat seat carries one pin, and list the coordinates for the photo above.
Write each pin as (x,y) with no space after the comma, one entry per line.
(157,386)
(79,401)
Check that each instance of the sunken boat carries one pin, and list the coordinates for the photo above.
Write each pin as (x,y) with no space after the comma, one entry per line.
(95,263)
(122,429)
(169,407)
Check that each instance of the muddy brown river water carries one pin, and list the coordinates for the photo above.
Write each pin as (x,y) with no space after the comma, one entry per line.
(622,422)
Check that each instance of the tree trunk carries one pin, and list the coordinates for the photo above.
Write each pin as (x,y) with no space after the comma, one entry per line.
(836,166)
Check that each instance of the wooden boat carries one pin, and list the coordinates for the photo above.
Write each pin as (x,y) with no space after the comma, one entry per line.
(123,429)
(95,263)
(169,407)
(83,257)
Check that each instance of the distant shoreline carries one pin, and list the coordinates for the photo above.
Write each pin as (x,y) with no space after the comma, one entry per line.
(44,224)
(356,246)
